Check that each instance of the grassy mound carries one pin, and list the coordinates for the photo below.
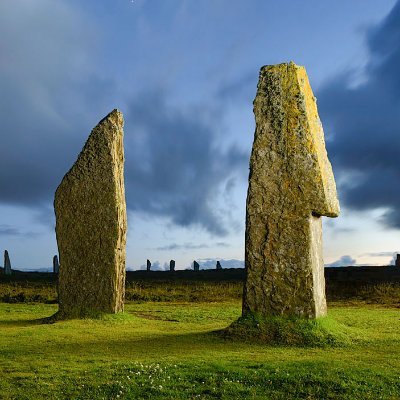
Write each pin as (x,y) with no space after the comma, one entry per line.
(289,331)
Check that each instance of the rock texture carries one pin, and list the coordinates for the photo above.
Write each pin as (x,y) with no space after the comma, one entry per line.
(56,265)
(91,225)
(172,265)
(7,263)
(196,266)
(148,265)
(291,185)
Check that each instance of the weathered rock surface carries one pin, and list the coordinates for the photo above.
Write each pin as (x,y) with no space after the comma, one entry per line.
(91,225)
(196,266)
(56,265)
(148,265)
(291,185)
(172,265)
(7,263)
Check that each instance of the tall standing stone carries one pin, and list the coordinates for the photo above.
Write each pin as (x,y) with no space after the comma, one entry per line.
(397,260)
(218,266)
(172,265)
(148,265)
(196,266)
(91,225)
(56,265)
(291,185)
(7,263)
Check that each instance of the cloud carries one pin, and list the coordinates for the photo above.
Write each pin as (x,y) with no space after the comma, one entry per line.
(53,93)
(380,254)
(155,266)
(49,94)
(190,246)
(363,126)
(174,167)
(8,230)
(344,261)
(239,89)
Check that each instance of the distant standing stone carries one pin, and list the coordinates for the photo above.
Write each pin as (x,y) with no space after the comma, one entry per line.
(56,266)
(7,263)
(291,185)
(196,266)
(172,265)
(398,260)
(218,266)
(91,225)
(148,265)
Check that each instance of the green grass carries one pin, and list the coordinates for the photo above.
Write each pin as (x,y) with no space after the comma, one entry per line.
(289,331)
(171,350)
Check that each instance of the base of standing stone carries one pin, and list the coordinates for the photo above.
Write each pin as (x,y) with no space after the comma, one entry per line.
(288,331)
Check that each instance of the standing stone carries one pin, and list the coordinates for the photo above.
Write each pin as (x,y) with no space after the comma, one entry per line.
(56,266)
(196,266)
(7,263)
(291,185)
(172,265)
(148,265)
(398,260)
(91,225)
(218,267)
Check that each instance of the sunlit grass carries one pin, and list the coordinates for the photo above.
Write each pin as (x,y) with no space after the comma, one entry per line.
(172,350)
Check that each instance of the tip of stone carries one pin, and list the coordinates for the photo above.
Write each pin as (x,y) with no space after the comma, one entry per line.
(290,64)
(114,116)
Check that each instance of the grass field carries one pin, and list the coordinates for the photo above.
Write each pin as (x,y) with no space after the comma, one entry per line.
(171,350)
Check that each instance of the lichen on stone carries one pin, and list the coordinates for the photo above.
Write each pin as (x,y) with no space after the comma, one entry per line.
(91,225)
(291,185)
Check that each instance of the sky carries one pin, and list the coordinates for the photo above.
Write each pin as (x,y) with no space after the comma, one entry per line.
(184,74)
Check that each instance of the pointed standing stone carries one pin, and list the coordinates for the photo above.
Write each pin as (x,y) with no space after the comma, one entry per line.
(291,185)
(56,266)
(196,266)
(172,265)
(91,225)
(7,263)
(148,265)
(218,266)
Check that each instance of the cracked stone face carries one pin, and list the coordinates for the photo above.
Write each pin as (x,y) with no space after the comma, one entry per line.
(291,185)
(91,225)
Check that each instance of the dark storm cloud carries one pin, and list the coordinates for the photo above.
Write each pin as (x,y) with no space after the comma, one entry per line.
(44,104)
(174,167)
(53,94)
(363,124)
